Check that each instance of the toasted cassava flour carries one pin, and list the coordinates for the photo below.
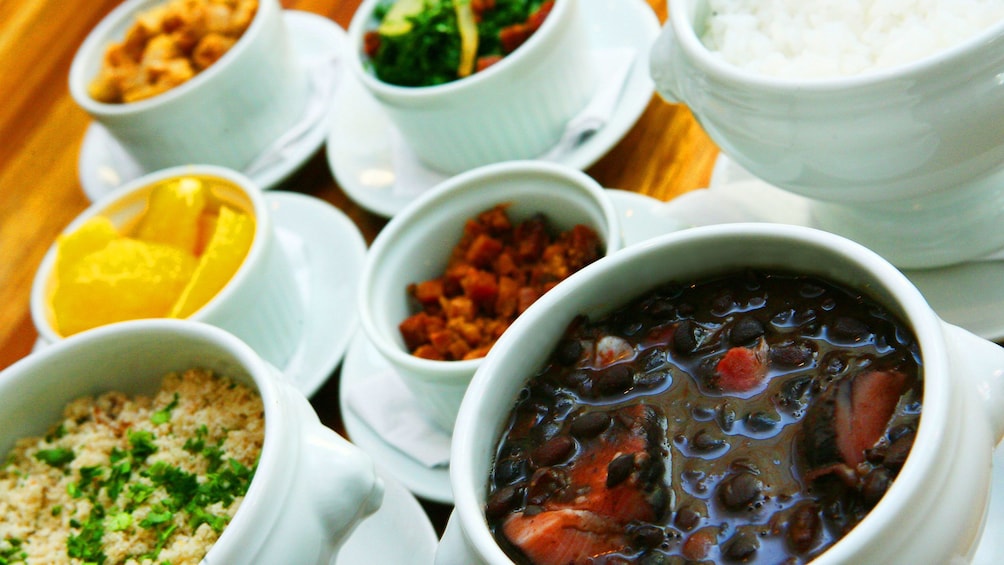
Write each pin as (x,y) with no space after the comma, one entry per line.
(828,38)
(133,480)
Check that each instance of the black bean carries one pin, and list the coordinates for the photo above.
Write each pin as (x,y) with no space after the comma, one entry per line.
(739,491)
(898,450)
(793,355)
(652,379)
(741,546)
(726,416)
(511,470)
(590,424)
(616,379)
(804,527)
(569,352)
(745,330)
(849,329)
(647,535)
(553,451)
(687,518)
(874,485)
(502,501)
(704,442)
(761,422)
(619,469)
(685,338)
(723,305)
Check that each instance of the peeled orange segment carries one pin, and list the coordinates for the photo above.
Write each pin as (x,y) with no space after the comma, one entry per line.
(124,280)
(173,214)
(92,235)
(223,255)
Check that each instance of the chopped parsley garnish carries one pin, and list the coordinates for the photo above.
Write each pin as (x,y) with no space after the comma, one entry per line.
(163,415)
(142,444)
(55,457)
(86,545)
(11,552)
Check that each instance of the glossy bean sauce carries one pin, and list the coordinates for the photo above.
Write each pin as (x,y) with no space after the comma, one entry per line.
(750,418)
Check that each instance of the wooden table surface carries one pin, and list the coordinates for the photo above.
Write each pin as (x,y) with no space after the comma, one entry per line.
(665,154)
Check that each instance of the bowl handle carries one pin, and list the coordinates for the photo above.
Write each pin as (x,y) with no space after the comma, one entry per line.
(983,362)
(454,549)
(661,63)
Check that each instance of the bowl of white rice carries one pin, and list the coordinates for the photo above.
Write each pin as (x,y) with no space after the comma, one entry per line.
(886,113)
(170,441)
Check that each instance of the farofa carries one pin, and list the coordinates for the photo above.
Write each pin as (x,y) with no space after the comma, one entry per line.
(172,471)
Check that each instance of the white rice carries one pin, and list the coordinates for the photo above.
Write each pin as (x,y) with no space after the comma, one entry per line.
(830,38)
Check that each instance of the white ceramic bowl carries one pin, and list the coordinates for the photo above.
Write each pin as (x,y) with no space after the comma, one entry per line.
(311,487)
(260,304)
(515,109)
(934,510)
(226,115)
(908,160)
(416,244)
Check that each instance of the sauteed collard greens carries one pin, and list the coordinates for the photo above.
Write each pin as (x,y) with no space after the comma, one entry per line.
(430,42)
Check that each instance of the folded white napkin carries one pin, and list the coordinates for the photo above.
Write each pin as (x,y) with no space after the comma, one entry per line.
(612,64)
(387,406)
(323,79)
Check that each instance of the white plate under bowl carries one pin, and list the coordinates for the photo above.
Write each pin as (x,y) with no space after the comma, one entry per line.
(362,361)
(398,532)
(362,141)
(104,165)
(326,253)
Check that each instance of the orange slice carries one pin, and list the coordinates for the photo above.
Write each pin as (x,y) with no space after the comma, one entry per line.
(173,214)
(124,280)
(92,235)
(223,255)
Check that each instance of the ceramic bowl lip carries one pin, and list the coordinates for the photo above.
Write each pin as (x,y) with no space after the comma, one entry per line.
(410,220)
(256,253)
(94,45)
(471,429)
(263,378)
(725,72)
(528,51)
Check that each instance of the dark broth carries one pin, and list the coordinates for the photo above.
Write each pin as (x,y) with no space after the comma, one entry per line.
(755,418)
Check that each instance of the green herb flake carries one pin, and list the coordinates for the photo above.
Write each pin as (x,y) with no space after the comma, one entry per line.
(119,521)
(163,415)
(55,457)
(141,442)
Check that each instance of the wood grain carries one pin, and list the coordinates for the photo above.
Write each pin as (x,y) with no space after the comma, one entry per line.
(665,154)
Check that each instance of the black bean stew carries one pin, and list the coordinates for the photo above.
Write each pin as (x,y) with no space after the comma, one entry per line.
(751,418)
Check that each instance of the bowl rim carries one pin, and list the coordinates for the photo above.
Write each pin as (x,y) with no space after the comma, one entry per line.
(360,24)
(272,470)
(471,430)
(101,36)
(725,72)
(407,220)
(257,253)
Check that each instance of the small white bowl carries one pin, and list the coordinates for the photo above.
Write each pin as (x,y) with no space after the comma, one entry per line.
(260,304)
(949,466)
(908,160)
(514,109)
(311,487)
(226,115)
(416,244)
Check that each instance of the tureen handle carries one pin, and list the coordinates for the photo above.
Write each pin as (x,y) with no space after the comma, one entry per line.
(983,362)
(661,64)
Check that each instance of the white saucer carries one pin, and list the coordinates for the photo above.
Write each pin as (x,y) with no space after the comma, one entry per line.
(360,146)
(104,165)
(361,361)
(399,532)
(326,253)
(327,273)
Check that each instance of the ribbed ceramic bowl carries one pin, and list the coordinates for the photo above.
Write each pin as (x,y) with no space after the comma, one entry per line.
(514,109)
